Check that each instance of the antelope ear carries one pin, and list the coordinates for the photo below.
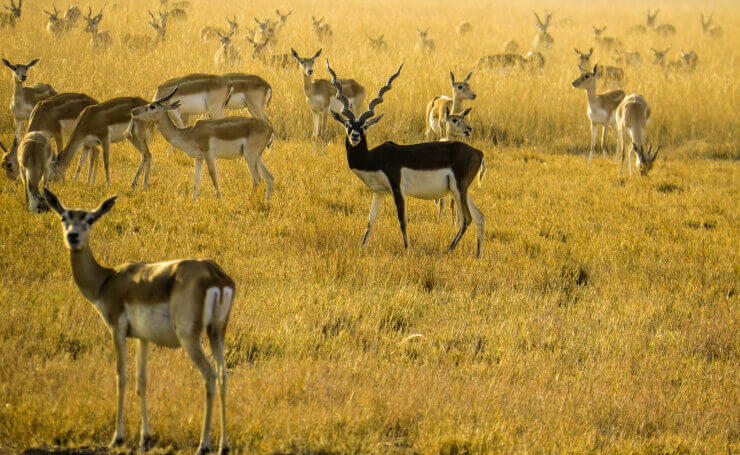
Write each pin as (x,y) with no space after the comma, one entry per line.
(466,112)
(595,66)
(452,78)
(336,116)
(104,208)
(8,64)
(53,202)
(467,78)
(32,62)
(590,51)
(372,121)
(294,54)
(316,55)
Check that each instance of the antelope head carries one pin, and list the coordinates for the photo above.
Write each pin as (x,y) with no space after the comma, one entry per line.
(543,25)
(10,160)
(377,43)
(587,80)
(77,224)
(157,109)
(457,124)
(659,55)
(53,17)
(233,25)
(423,34)
(584,59)
(461,89)
(283,18)
(645,160)
(306,63)
(651,17)
(92,21)
(15,10)
(20,71)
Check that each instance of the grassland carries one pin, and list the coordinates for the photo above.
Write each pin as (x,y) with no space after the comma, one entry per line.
(602,317)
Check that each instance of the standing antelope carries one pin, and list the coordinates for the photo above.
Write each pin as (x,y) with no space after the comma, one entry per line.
(320,96)
(456,129)
(34,157)
(25,98)
(72,17)
(659,56)
(436,108)
(250,92)
(277,60)
(501,62)
(100,125)
(715,31)
(228,138)
(464,28)
(226,55)
(543,41)
(99,41)
(378,43)
(57,116)
(146,42)
(601,107)
(170,304)
(427,171)
(209,33)
(606,42)
(55,26)
(11,17)
(265,31)
(425,44)
(633,115)
(282,20)
(321,28)
(197,94)
(687,62)
(604,72)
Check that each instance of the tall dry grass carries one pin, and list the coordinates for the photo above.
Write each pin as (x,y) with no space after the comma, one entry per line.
(603,316)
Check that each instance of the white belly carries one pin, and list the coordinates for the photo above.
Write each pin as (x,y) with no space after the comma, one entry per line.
(192,104)
(432,184)
(152,323)
(116,132)
(237,101)
(228,150)
(375,180)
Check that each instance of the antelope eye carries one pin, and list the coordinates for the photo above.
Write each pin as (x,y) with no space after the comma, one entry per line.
(454,120)
(459,87)
(151,107)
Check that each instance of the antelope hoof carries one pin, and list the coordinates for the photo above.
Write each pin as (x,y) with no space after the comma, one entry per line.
(116,442)
(146,443)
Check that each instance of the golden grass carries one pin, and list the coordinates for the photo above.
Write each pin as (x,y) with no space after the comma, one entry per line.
(603,316)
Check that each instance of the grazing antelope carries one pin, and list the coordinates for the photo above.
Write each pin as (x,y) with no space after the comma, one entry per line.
(320,96)
(25,98)
(606,42)
(10,160)
(55,26)
(425,44)
(627,57)
(11,17)
(543,41)
(659,56)
(439,105)
(265,32)
(226,55)
(664,30)
(250,92)
(57,116)
(99,41)
(101,125)
(72,17)
(228,138)
(501,62)
(282,20)
(209,33)
(321,28)
(171,304)
(603,72)
(34,158)
(633,115)
(601,107)
(146,42)
(428,171)
(715,31)
(197,94)
(464,28)
(511,47)
(378,43)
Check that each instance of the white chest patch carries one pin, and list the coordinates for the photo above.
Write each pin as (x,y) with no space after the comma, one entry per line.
(598,115)
(152,323)
(375,180)
(432,184)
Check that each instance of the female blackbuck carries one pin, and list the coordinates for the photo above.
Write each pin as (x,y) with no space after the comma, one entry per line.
(227,138)
(276,60)
(456,129)
(378,43)
(25,98)
(428,171)
(606,73)
(147,42)
(197,94)
(34,159)
(659,56)
(715,31)
(226,55)
(100,125)
(601,107)
(282,20)
(320,96)
(436,108)
(99,41)
(209,33)
(606,42)
(321,28)
(250,92)
(425,44)
(10,160)
(633,115)
(57,116)
(171,304)
(11,17)
(265,32)
(628,57)
(543,40)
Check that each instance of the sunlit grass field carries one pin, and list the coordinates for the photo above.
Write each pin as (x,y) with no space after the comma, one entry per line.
(601,318)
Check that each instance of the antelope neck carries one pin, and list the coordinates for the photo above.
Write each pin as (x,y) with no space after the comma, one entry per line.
(88,273)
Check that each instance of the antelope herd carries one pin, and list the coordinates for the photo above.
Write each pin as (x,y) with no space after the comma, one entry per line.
(174,303)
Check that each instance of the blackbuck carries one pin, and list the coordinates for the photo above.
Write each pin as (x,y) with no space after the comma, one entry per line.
(34,159)
(659,56)
(425,44)
(229,138)
(55,25)
(25,98)
(321,28)
(436,108)
(99,41)
(10,160)
(282,20)
(226,55)
(606,73)
(503,63)
(171,304)
(197,94)
(664,30)
(708,28)
(320,96)
(57,116)
(378,43)
(628,57)
(147,42)
(511,47)
(276,60)
(534,61)
(601,107)
(633,115)
(265,32)
(606,42)
(543,41)
(11,17)
(102,125)
(464,28)
(72,17)
(686,63)
(429,171)
(250,92)
(209,33)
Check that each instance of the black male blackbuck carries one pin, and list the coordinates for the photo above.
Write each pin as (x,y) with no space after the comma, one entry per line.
(427,171)
(171,304)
